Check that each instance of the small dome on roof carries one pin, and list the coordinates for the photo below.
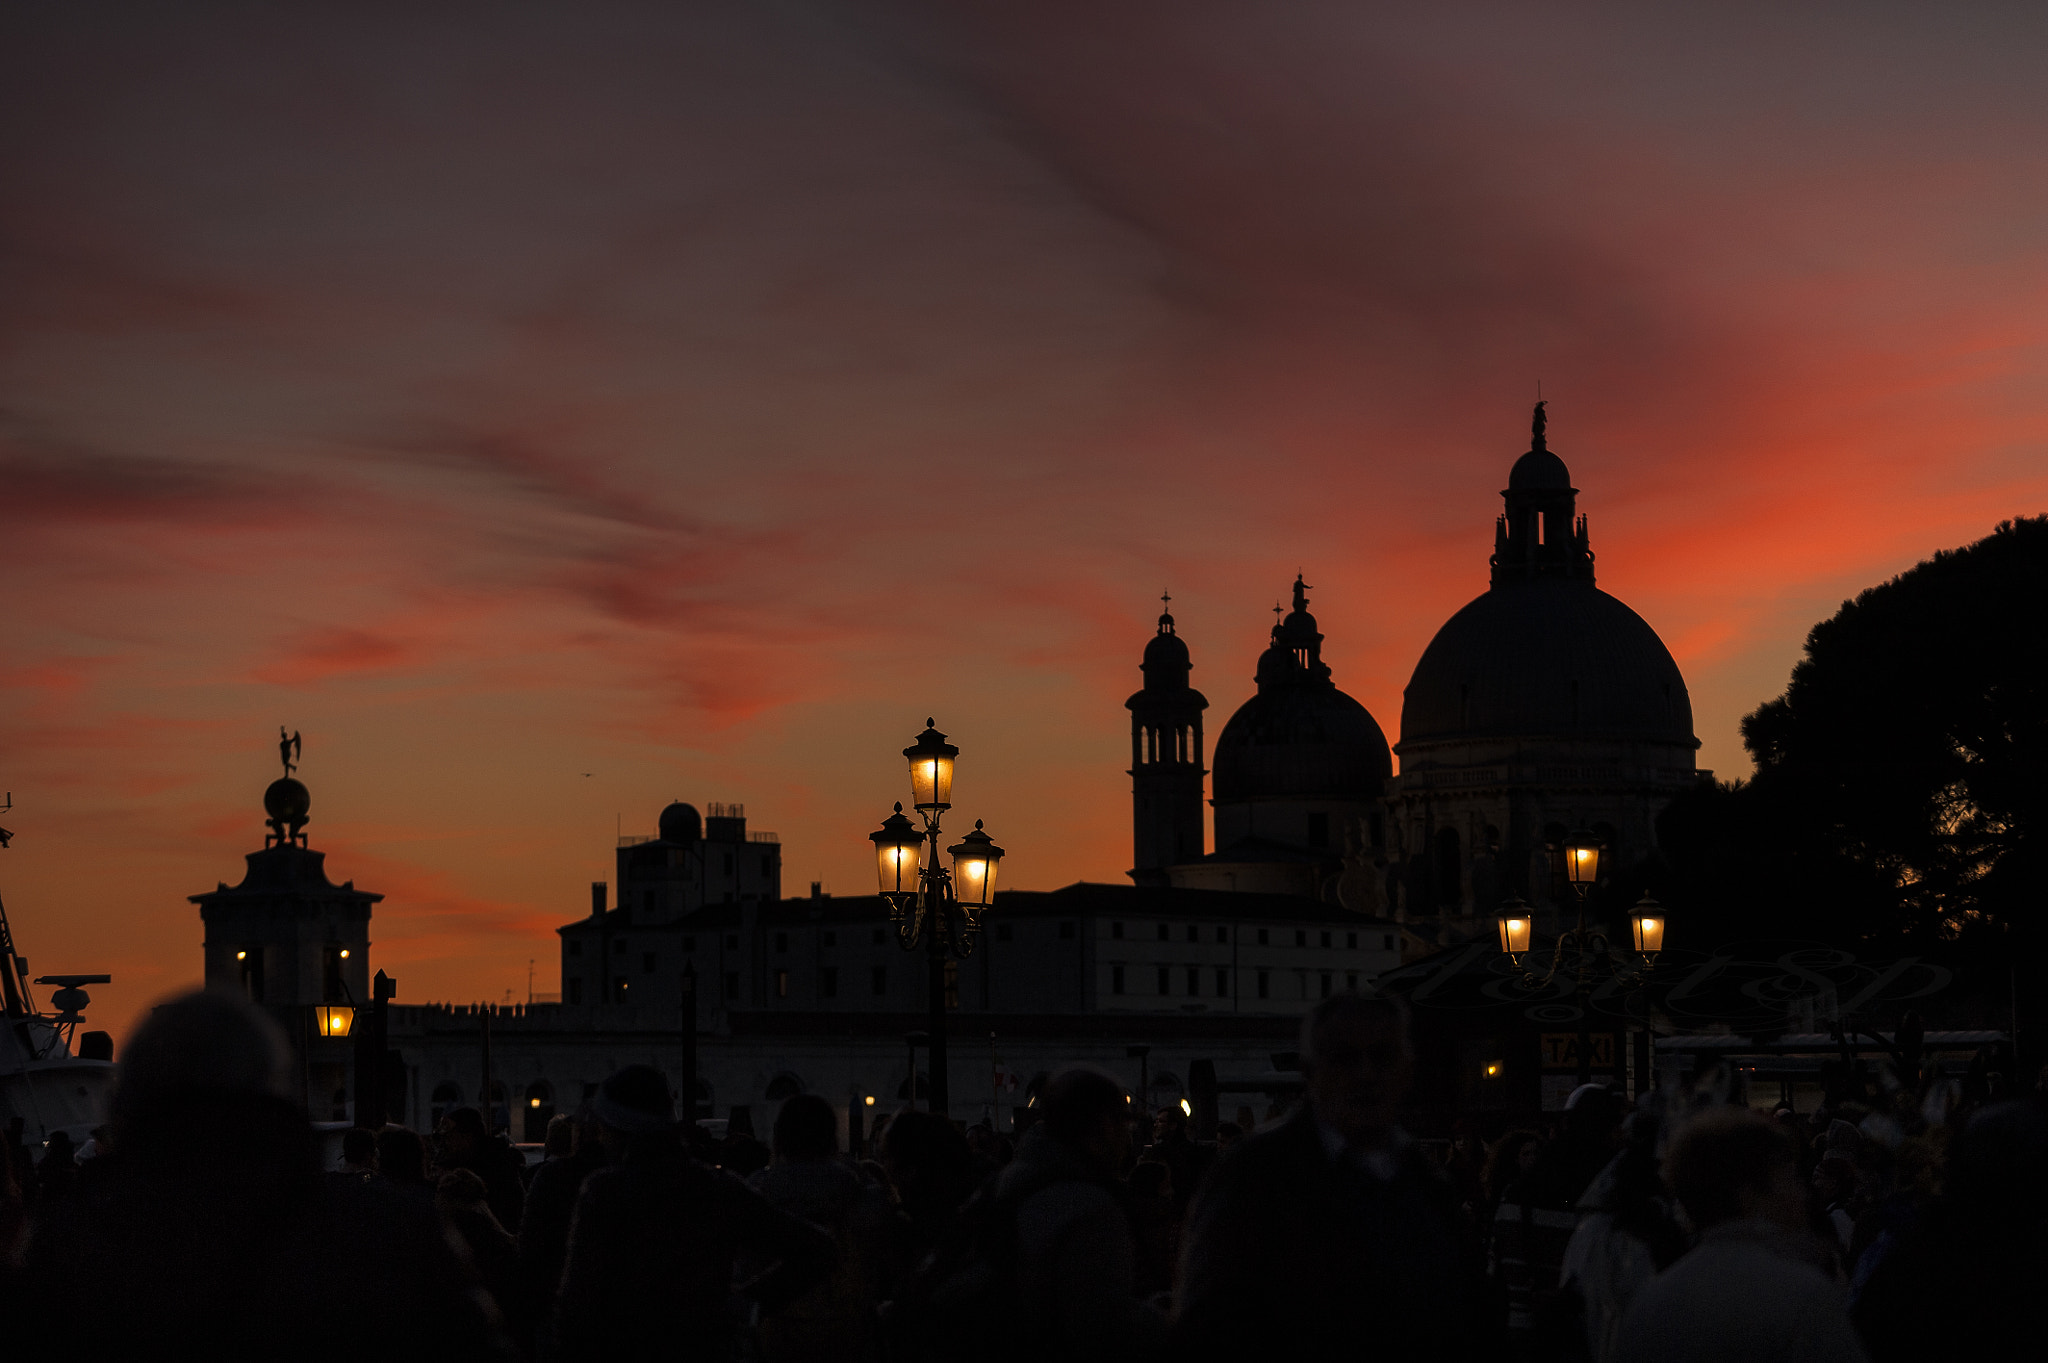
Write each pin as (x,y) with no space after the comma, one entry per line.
(1539,471)
(680,823)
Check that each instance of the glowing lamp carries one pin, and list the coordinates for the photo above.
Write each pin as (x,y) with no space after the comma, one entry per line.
(1493,1069)
(897,847)
(931,769)
(344,953)
(869,1100)
(334,1019)
(1647,919)
(241,955)
(1581,859)
(975,859)
(1185,1110)
(1515,927)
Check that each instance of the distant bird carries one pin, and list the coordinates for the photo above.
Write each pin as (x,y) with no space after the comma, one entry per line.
(586,773)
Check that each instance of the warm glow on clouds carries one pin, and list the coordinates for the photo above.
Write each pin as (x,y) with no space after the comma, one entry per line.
(553,412)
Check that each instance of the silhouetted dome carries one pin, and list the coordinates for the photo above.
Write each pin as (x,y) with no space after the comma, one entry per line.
(1546,657)
(287,800)
(679,823)
(1301,743)
(1166,657)
(1539,471)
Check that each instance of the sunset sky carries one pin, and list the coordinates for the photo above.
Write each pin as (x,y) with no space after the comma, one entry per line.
(552,411)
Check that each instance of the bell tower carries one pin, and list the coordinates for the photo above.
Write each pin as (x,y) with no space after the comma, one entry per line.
(1166,758)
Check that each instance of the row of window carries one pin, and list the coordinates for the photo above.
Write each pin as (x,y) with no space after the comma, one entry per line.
(1262,981)
(1004,933)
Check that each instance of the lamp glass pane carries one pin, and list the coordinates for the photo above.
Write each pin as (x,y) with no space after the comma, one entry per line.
(896,866)
(931,781)
(1582,862)
(1649,933)
(974,879)
(1514,933)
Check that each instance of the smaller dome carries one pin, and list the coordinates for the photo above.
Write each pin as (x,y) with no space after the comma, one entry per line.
(287,800)
(1166,657)
(679,823)
(1539,471)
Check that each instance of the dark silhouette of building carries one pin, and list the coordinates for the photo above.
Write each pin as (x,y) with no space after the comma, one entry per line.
(292,941)
(1300,771)
(1166,760)
(1542,706)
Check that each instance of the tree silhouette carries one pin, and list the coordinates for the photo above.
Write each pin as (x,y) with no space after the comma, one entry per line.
(1902,779)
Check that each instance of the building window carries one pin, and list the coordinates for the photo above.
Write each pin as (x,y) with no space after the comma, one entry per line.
(575,947)
(764,865)
(619,946)
(879,979)
(647,901)
(1165,980)
(1300,938)
(781,943)
(1067,931)
(1389,943)
(1319,829)
(1351,981)
(1116,979)
(831,939)
(1194,933)
(1326,941)
(619,991)
(828,983)
(1116,930)
(1351,940)
(1326,984)
(782,984)
(1262,937)
(1004,932)
(647,963)
(1165,933)
(732,986)
(728,864)
(1194,982)
(1222,984)
(1222,936)
(575,991)
(732,942)
(1265,985)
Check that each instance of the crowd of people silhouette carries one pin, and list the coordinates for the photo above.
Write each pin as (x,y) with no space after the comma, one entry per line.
(1681,1227)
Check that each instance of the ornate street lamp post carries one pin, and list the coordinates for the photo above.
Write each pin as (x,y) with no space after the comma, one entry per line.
(1589,949)
(931,907)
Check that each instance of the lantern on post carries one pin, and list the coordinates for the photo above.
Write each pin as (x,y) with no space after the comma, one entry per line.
(931,770)
(975,859)
(1647,921)
(334,1019)
(898,847)
(1581,860)
(1515,927)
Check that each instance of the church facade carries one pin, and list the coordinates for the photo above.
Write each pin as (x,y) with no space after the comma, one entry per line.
(1543,706)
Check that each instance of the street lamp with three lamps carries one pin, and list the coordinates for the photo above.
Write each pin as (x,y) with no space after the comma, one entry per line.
(1591,953)
(931,907)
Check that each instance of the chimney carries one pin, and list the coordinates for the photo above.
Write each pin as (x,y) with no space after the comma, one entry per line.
(597,891)
(817,889)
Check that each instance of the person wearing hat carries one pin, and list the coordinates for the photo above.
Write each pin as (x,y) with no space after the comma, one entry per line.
(653,1238)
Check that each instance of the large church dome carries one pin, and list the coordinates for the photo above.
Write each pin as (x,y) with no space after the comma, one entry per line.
(1551,657)
(1544,653)
(1299,737)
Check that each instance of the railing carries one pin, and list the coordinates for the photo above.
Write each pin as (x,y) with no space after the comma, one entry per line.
(717,810)
(764,837)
